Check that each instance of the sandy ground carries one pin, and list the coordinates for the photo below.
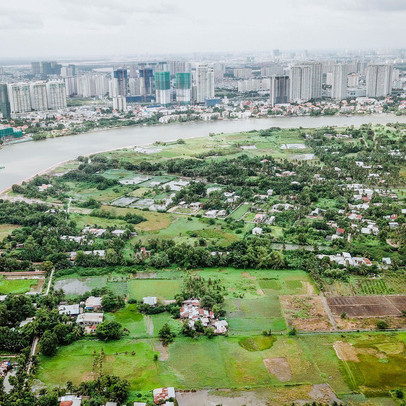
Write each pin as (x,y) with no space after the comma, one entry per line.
(279,367)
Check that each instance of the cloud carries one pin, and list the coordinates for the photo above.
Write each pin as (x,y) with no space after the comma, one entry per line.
(16,19)
(360,5)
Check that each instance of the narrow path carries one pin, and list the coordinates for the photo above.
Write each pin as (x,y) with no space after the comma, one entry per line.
(49,282)
(149,325)
(329,314)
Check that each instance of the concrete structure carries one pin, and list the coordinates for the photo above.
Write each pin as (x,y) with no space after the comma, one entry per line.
(4,101)
(339,85)
(19,96)
(119,83)
(183,84)
(163,87)
(39,97)
(279,90)
(204,83)
(56,92)
(379,80)
(305,82)
(89,319)
(150,300)
(93,303)
(70,310)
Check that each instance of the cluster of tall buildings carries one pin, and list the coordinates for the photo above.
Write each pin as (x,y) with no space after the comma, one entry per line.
(46,68)
(18,98)
(305,82)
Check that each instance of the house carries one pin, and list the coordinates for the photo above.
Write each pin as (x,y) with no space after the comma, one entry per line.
(140,404)
(387,261)
(259,218)
(163,395)
(70,310)
(118,233)
(70,400)
(27,321)
(93,303)
(43,187)
(97,232)
(150,300)
(393,224)
(5,366)
(211,214)
(340,231)
(257,231)
(111,404)
(90,319)
(220,326)
(143,253)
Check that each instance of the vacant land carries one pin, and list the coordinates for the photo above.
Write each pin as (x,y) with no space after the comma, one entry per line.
(17,286)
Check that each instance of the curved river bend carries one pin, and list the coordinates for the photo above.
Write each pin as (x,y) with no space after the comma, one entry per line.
(24,160)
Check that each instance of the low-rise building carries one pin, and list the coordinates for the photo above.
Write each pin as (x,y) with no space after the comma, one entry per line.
(163,395)
(70,310)
(93,303)
(90,319)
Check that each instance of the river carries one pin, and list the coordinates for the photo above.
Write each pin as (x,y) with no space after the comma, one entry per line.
(24,160)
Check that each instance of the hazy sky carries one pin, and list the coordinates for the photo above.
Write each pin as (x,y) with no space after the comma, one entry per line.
(47,28)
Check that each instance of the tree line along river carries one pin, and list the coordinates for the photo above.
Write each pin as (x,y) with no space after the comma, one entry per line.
(24,160)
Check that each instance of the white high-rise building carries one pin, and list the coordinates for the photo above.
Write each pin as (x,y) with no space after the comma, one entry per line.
(353,80)
(204,83)
(39,97)
(305,82)
(379,80)
(134,86)
(56,92)
(20,99)
(119,103)
(339,85)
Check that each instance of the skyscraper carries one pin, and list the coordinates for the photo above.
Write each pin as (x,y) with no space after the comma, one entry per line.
(147,82)
(379,80)
(204,83)
(38,94)
(4,101)
(305,82)
(279,90)
(163,87)
(183,87)
(339,85)
(120,83)
(56,93)
(19,96)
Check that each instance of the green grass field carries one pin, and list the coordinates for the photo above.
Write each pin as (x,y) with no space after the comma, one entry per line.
(16,286)
(162,289)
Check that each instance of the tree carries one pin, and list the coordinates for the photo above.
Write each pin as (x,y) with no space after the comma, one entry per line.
(110,302)
(109,330)
(382,325)
(48,343)
(166,335)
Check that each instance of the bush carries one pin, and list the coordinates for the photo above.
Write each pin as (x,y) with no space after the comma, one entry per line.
(382,325)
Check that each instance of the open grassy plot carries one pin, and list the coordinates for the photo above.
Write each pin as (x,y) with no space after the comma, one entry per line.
(194,364)
(6,229)
(16,285)
(162,289)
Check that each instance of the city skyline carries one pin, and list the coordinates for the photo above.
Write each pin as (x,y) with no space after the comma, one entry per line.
(74,28)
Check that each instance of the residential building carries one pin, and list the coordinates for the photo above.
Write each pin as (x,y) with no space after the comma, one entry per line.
(183,84)
(38,94)
(242,73)
(279,90)
(379,80)
(19,96)
(147,81)
(204,83)
(339,85)
(163,87)
(305,82)
(70,310)
(120,83)
(56,92)
(90,319)
(93,303)
(4,101)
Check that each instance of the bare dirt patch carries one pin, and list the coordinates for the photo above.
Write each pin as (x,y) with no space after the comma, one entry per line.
(345,351)
(149,325)
(309,287)
(279,367)
(163,351)
(260,292)
(305,312)
(247,275)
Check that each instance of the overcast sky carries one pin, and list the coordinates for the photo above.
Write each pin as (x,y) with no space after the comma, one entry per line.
(51,28)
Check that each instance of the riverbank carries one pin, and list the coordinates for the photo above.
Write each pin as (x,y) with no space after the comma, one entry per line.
(25,160)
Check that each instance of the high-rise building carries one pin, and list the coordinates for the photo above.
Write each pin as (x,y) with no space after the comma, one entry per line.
(183,86)
(204,83)
(120,82)
(146,81)
(178,67)
(242,73)
(379,80)
(68,71)
(279,90)
(36,68)
(38,94)
(353,80)
(46,68)
(4,101)
(219,70)
(19,96)
(305,82)
(339,85)
(119,103)
(163,87)
(56,92)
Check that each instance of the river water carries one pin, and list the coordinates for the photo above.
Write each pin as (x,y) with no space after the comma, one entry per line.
(24,160)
